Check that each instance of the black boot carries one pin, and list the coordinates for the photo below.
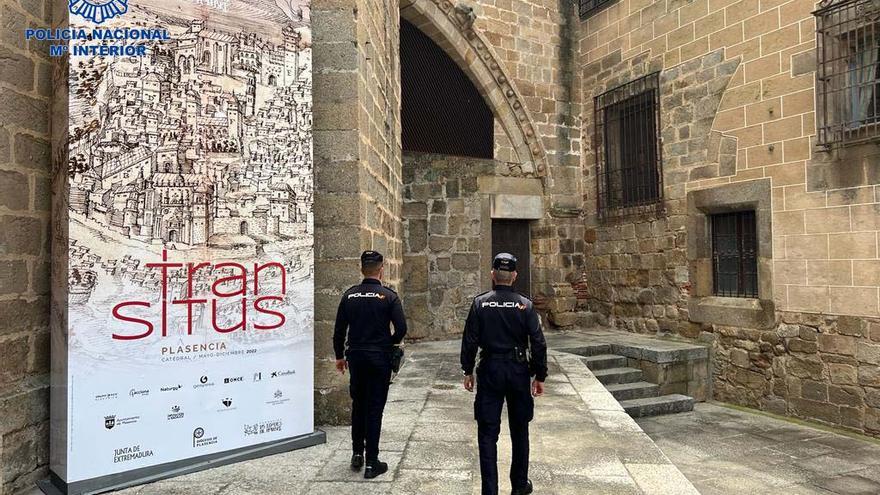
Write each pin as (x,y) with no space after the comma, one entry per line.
(357,462)
(523,490)
(375,468)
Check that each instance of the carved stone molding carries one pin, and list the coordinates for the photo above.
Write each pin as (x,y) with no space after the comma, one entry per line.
(451,26)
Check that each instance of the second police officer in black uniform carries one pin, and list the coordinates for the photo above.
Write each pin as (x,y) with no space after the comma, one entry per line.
(364,315)
(502,324)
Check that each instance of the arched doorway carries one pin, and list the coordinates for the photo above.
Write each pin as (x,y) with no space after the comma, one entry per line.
(243,228)
(448,129)
(453,31)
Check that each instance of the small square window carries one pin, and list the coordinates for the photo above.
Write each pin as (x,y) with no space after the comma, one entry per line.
(734,254)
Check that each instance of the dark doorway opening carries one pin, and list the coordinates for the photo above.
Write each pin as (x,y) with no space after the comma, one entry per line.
(512,236)
(441,110)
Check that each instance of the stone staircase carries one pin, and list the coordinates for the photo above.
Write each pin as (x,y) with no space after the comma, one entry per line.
(638,397)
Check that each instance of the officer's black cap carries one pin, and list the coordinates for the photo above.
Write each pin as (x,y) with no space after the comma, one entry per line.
(505,262)
(371,258)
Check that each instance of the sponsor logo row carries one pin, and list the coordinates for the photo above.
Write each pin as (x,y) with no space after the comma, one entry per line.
(203,382)
(176,412)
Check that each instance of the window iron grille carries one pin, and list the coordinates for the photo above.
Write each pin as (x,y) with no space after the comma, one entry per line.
(628,152)
(441,110)
(735,254)
(848,73)
(587,8)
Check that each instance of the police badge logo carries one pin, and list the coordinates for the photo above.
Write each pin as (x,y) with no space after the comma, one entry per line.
(98,11)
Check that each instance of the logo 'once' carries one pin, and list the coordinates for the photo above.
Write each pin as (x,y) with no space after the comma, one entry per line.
(98,11)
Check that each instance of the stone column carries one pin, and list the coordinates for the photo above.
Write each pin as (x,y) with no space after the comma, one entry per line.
(357,166)
(25,196)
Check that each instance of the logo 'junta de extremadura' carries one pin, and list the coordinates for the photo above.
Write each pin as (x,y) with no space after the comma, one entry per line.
(98,11)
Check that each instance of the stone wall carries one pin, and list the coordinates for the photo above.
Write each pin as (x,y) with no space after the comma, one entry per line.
(25,198)
(737,108)
(537,41)
(443,231)
(357,165)
(818,367)
(637,268)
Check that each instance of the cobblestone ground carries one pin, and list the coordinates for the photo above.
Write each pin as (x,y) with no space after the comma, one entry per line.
(728,451)
(582,443)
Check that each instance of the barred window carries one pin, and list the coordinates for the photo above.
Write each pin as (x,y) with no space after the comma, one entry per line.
(848,73)
(735,254)
(587,8)
(628,158)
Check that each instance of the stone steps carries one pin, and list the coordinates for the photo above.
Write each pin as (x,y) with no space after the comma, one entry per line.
(654,406)
(604,361)
(618,375)
(638,397)
(589,350)
(634,390)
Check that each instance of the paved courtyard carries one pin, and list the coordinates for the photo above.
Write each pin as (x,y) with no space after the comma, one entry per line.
(729,451)
(582,443)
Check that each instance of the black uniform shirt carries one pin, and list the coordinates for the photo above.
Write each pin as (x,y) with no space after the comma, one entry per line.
(499,321)
(365,312)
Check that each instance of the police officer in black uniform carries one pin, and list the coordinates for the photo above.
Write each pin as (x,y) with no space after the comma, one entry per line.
(364,314)
(502,323)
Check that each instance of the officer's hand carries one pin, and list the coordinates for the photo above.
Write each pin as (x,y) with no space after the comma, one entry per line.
(537,388)
(341,365)
(469,383)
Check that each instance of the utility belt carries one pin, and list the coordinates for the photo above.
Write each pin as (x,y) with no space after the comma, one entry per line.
(394,352)
(369,348)
(518,354)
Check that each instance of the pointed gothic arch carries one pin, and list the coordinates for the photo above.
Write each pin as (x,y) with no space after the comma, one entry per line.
(451,28)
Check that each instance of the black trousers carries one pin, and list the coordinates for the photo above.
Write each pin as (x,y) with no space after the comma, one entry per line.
(370,377)
(499,380)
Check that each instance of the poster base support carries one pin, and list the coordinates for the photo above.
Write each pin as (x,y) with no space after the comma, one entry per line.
(54,485)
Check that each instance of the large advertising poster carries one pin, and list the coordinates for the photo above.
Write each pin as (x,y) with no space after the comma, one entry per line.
(189,317)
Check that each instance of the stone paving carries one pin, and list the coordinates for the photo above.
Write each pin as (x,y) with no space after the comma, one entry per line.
(582,443)
(728,451)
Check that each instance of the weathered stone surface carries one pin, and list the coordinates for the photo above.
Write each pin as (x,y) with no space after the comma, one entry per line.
(415,273)
(13,277)
(14,190)
(23,315)
(837,344)
(843,374)
(805,367)
(803,346)
(868,353)
(20,235)
(23,408)
(869,375)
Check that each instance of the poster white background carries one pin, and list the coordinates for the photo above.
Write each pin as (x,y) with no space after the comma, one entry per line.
(198,155)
